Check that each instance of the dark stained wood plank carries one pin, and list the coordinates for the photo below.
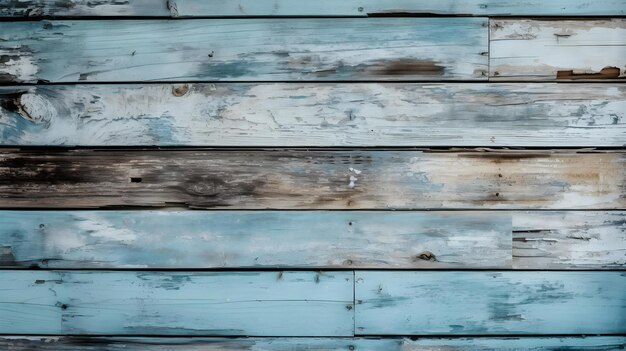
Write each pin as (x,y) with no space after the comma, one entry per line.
(313,239)
(322,114)
(239,8)
(50,343)
(392,49)
(177,303)
(484,303)
(320,179)
(524,49)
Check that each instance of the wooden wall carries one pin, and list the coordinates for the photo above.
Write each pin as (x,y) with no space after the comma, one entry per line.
(328,175)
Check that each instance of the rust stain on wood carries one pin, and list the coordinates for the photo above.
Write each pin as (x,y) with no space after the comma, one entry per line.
(605,73)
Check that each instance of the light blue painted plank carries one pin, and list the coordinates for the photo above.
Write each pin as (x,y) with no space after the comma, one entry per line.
(220,8)
(392,49)
(478,303)
(164,303)
(315,114)
(48,343)
(207,239)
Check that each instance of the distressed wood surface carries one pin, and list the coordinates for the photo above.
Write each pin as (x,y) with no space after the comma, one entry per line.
(313,239)
(322,239)
(171,303)
(358,8)
(564,240)
(320,179)
(323,114)
(482,303)
(587,49)
(45,343)
(237,49)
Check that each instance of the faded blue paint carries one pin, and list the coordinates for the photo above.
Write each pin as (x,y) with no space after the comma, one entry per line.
(163,303)
(207,239)
(445,303)
(255,49)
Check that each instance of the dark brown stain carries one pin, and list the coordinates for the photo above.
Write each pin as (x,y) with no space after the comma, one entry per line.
(406,67)
(605,73)
(180,90)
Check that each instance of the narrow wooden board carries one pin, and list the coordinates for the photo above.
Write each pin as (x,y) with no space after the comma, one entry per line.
(392,49)
(49,343)
(320,179)
(170,303)
(322,114)
(482,303)
(313,239)
(566,240)
(244,8)
(523,49)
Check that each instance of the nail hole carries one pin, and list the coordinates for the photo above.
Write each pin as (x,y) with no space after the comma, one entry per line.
(135,180)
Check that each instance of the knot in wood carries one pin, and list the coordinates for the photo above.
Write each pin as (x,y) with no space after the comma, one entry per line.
(427,256)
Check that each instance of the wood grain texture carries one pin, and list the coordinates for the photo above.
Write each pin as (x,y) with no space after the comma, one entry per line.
(169,303)
(482,303)
(47,343)
(358,8)
(320,179)
(322,114)
(237,49)
(587,49)
(564,240)
(313,239)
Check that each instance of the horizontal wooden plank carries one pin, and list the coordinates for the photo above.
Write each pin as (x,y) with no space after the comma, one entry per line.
(170,303)
(320,179)
(237,49)
(481,303)
(313,239)
(523,49)
(563,240)
(45,343)
(193,239)
(323,114)
(239,8)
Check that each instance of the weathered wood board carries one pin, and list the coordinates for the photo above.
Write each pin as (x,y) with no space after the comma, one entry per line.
(172,303)
(313,239)
(477,303)
(236,49)
(320,179)
(574,239)
(524,49)
(358,8)
(322,114)
(46,343)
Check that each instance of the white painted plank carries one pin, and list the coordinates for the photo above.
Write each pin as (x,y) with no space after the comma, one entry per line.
(326,114)
(524,49)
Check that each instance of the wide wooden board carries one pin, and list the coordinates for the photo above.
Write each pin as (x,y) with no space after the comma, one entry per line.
(177,303)
(51,343)
(313,239)
(244,8)
(319,179)
(589,49)
(315,114)
(244,49)
(477,303)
